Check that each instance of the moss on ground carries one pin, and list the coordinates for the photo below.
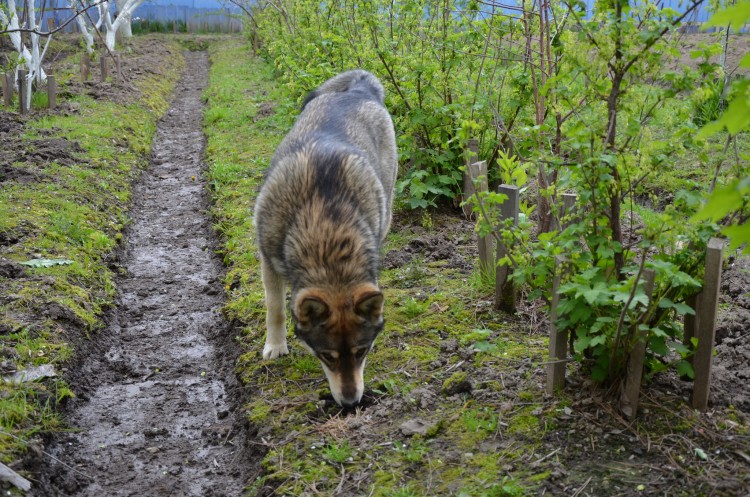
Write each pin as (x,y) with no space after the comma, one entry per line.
(75,210)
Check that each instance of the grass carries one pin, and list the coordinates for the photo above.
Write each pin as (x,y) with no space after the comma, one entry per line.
(404,370)
(75,211)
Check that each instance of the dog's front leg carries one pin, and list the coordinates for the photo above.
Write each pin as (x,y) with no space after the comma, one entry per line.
(275,312)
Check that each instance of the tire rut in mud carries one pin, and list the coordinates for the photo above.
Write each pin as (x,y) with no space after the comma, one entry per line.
(154,414)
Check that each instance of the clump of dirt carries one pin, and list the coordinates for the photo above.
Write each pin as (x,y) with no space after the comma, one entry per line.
(446,242)
(156,393)
(22,159)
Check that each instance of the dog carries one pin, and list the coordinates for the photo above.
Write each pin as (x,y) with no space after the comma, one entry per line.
(321,217)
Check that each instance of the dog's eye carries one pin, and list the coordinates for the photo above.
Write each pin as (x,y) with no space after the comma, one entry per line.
(327,357)
(361,353)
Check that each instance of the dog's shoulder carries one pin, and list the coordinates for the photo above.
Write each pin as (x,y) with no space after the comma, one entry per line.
(356,84)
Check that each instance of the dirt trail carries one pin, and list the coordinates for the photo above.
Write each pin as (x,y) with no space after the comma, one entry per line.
(153,412)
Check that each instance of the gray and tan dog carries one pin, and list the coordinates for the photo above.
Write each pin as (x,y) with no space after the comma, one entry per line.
(321,218)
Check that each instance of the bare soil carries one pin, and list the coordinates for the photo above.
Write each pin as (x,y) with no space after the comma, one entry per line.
(156,395)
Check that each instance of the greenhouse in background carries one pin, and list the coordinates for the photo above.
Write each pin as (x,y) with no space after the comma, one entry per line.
(194,16)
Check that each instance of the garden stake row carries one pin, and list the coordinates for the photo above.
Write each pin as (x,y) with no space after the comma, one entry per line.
(702,326)
(8,84)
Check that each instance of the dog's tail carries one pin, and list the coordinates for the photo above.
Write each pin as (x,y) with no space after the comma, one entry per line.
(356,80)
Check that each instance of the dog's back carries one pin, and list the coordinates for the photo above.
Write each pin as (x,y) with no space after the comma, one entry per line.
(331,179)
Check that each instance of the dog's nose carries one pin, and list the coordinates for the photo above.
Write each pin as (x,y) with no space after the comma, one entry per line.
(349,403)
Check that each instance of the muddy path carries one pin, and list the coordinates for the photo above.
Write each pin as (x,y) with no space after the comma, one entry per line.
(154,412)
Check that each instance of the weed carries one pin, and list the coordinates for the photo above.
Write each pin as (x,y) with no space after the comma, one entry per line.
(484,419)
(404,491)
(414,308)
(338,452)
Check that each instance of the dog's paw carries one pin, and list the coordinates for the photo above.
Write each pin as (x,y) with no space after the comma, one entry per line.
(274,350)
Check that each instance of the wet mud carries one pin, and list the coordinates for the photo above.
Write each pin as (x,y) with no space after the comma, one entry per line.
(154,412)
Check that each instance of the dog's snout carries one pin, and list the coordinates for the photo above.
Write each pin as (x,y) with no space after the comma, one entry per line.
(350,403)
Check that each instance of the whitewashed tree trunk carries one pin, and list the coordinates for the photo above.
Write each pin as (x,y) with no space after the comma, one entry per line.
(125,10)
(125,28)
(88,34)
(31,58)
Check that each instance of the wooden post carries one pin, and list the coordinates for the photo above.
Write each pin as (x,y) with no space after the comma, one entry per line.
(478,172)
(118,68)
(634,373)
(708,302)
(51,92)
(22,91)
(506,294)
(558,340)
(566,209)
(7,88)
(50,24)
(104,66)
(472,154)
(85,67)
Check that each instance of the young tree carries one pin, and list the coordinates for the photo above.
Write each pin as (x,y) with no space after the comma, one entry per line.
(29,56)
(125,10)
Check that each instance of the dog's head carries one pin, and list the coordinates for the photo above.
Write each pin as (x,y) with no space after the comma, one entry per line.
(339,328)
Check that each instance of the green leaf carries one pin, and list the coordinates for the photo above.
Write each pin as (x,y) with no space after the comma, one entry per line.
(684,309)
(581,343)
(591,295)
(701,454)
(739,235)
(684,368)
(47,262)
(722,202)
(658,345)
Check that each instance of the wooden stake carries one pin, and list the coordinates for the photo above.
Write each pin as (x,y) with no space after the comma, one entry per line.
(632,390)
(85,67)
(558,340)
(478,172)
(22,91)
(472,154)
(103,66)
(506,294)
(566,209)
(7,88)
(708,303)
(51,92)
(118,67)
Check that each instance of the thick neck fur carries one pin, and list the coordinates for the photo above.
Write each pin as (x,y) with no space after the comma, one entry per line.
(329,248)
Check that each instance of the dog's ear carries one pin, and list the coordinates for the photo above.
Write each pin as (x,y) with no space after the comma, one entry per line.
(311,311)
(369,305)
